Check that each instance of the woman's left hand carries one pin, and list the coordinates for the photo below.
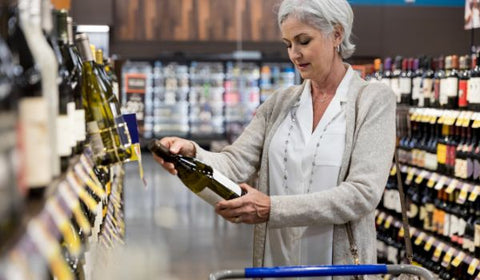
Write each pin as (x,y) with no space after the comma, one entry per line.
(251,208)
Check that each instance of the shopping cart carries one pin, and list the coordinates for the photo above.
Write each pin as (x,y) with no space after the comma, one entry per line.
(322,270)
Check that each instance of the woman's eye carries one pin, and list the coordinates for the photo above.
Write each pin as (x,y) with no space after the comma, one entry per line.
(305,42)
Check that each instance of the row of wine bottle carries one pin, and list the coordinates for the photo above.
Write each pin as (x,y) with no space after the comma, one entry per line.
(446,261)
(59,97)
(449,82)
(444,141)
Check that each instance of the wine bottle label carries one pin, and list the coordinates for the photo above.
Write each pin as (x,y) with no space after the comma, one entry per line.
(469,168)
(451,87)
(405,85)
(412,210)
(476,239)
(95,138)
(64,135)
(417,90)
(473,90)
(395,85)
(33,116)
(229,184)
(441,153)
(462,93)
(443,97)
(461,168)
(210,196)
(71,115)
(431,161)
(392,254)
(427,88)
(80,128)
(436,90)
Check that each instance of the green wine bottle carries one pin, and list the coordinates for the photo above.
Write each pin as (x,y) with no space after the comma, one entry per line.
(200,178)
(101,126)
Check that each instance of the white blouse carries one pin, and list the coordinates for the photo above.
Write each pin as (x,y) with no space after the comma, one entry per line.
(304,162)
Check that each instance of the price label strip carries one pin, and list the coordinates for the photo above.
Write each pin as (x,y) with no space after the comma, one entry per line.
(50,249)
(79,190)
(62,222)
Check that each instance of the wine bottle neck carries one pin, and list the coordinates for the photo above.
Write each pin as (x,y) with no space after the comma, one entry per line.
(83,46)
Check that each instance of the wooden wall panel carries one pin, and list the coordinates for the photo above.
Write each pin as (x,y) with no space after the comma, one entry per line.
(195,20)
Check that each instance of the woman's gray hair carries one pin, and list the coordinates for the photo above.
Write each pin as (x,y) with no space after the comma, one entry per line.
(323,15)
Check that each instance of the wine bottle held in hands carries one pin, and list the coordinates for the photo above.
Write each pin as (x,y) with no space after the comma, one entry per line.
(206,182)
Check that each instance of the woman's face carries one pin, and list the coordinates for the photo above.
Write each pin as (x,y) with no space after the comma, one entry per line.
(309,49)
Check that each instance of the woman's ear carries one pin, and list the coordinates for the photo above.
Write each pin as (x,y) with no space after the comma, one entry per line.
(338,34)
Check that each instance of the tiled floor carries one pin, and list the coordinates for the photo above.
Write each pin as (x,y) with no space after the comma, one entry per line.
(173,234)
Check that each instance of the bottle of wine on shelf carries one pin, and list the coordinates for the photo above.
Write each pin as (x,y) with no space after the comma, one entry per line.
(122,128)
(387,71)
(405,82)
(427,83)
(101,126)
(32,104)
(450,85)
(464,76)
(473,96)
(45,58)
(203,180)
(438,80)
(74,65)
(417,96)
(66,109)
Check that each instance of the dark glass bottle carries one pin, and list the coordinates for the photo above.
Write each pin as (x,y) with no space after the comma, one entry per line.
(473,96)
(437,81)
(450,84)
(405,81)
(427,83)
(442,149)
(417,96)
(464,76)
(200,178)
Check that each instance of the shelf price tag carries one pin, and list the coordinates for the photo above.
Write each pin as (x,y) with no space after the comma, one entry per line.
(433,179)
(380,218)
(448,256)
(393,170)
(458,259)
(473,266)
(452,186)
(410,173)
(463,196)
(420,238)
(438,252)
(401,232)
(441,182)
(388,222)
(420,177)
(429,243)
(474,194)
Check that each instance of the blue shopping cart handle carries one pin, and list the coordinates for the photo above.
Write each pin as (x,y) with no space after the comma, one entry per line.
(315,270)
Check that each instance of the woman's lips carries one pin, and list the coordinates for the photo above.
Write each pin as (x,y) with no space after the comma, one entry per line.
(303,66)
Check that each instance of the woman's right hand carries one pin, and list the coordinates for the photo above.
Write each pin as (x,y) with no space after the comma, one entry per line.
(175,145)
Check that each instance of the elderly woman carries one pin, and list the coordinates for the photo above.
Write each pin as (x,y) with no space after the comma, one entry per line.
(322,149)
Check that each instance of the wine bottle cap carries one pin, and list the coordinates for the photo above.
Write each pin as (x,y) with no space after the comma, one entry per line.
(83,46)
(160,150)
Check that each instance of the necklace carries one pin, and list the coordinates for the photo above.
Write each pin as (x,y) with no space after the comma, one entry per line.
(323,97)
(293,116)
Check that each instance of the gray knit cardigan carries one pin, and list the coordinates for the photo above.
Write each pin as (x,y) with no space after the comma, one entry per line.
(369,147)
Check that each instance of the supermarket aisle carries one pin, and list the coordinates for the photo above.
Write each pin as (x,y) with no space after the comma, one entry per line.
(173,233)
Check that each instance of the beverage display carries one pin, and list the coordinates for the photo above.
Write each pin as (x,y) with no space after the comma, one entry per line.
(102,127)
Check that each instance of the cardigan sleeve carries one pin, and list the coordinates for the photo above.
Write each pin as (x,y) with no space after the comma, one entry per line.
(370,160)
(240,160)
